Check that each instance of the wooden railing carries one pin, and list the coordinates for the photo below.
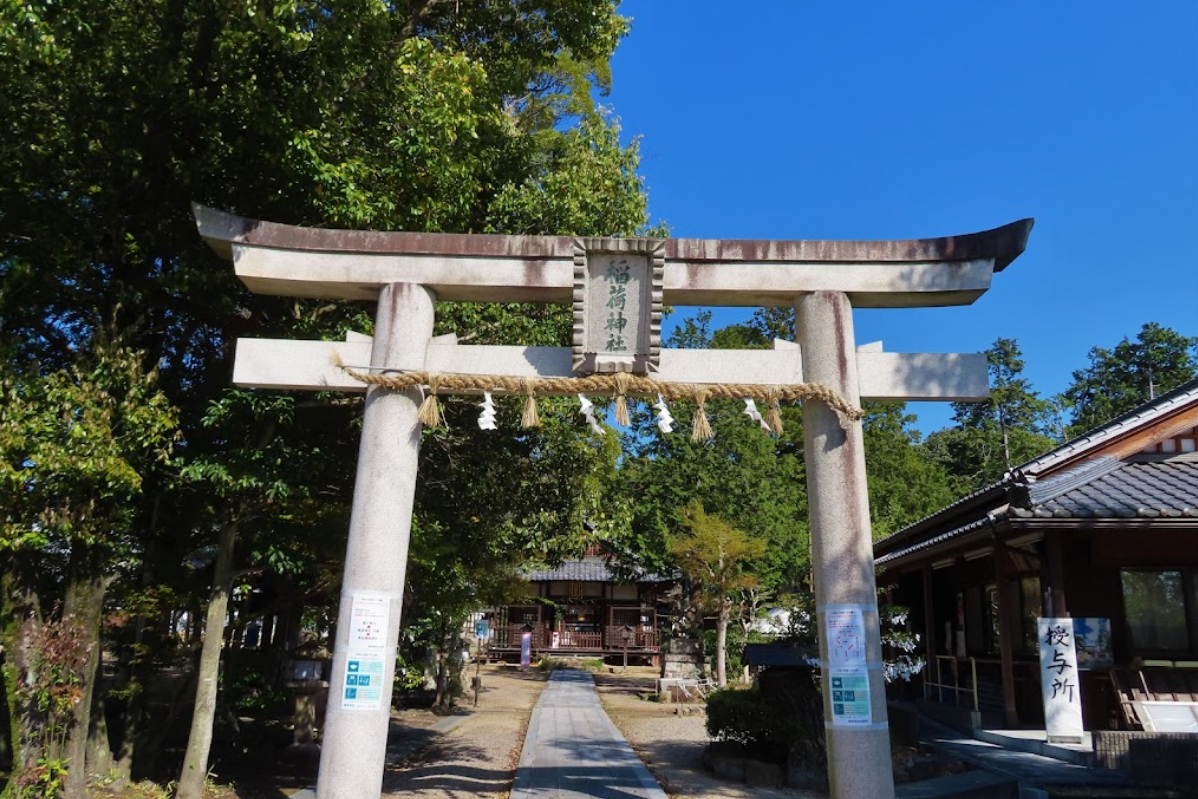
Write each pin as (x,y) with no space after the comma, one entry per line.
(640,639)
(610,639)
(568,639)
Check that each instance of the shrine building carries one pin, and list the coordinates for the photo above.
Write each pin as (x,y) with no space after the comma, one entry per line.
(1102,529)
(583,608)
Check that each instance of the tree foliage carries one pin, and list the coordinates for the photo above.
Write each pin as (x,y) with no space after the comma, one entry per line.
(417,115)
(74,444)
(718,558)
(1133,372)
(990,437)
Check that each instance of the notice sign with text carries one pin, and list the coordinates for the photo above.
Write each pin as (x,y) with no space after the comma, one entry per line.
(366,652)
(1059,684)
(844,627)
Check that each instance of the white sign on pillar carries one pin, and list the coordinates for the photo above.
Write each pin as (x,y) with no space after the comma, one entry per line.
(366,657)
(1059,684)
(847,666)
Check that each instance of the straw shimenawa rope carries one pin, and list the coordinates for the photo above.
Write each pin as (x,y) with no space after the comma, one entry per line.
(430,411)
(530,417)
(620,384)
(700,427)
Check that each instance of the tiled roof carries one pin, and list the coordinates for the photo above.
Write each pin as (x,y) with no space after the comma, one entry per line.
(1161,489)
(933,541)
(1183,395)
(590,570)
(1104,488)
(1024,474)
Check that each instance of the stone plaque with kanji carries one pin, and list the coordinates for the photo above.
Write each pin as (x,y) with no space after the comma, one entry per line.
(617,305)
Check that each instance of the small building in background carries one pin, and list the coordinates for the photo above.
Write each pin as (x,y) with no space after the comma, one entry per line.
(583,608)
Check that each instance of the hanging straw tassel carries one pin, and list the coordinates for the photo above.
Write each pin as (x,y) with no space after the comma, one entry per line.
(430,410)
(701,428)
(530,418)
(623,380)
(773,417)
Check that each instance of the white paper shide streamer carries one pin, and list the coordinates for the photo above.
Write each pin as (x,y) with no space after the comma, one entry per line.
(486,419)
(754,414)
(665,422)
(588,410)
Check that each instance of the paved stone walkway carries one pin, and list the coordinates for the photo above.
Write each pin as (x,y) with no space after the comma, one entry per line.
(573,751)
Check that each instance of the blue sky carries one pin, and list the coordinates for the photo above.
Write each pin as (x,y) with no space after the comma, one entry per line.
(878,120)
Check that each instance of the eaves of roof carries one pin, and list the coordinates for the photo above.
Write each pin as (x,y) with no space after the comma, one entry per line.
(586,571)
(1165,489)
(1016,483)
(991,496)
(1170,401)
(957,532)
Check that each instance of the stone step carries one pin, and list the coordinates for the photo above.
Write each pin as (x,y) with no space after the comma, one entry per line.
(966,785)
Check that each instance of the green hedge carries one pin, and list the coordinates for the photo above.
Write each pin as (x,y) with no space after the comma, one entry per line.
(750,719)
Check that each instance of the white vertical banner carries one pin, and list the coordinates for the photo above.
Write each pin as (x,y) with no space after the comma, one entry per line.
(1059,684)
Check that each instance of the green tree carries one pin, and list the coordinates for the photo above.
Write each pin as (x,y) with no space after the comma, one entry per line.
(718,558)
(488,502)
(1135,371)
(419,115)
(904,484)
(74,446)
(992,436)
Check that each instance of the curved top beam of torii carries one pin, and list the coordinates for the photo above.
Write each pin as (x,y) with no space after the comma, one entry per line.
(293,261)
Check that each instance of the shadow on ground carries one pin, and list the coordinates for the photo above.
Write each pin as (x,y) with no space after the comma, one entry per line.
(437,767)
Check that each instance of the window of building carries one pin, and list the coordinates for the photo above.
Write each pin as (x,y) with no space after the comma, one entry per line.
(993,626)
(1031,607)
(1155,605)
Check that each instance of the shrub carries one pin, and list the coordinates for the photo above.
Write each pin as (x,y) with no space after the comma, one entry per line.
(748,718)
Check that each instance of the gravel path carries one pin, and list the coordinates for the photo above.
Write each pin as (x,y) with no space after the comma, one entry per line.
(478,756)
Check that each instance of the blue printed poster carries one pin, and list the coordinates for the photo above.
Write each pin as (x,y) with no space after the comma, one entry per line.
(850,697)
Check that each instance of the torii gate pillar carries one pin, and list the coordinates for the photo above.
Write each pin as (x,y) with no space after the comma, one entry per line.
(353,753)
(842,547)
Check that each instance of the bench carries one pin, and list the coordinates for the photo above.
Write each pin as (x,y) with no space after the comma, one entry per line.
(1157,695)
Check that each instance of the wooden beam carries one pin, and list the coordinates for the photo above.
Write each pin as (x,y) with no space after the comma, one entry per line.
(1008,627)
(312,365)
(360,276)
(355,264)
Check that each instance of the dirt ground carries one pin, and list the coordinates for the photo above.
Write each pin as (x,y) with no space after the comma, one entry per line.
(670,740)
(477,756)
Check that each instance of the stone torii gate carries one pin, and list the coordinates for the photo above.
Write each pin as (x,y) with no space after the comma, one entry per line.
(407,272)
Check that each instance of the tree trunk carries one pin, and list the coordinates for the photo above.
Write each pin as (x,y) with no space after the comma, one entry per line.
(199,741)
(84,605)
(7,744)
(20,603)
(721,645)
